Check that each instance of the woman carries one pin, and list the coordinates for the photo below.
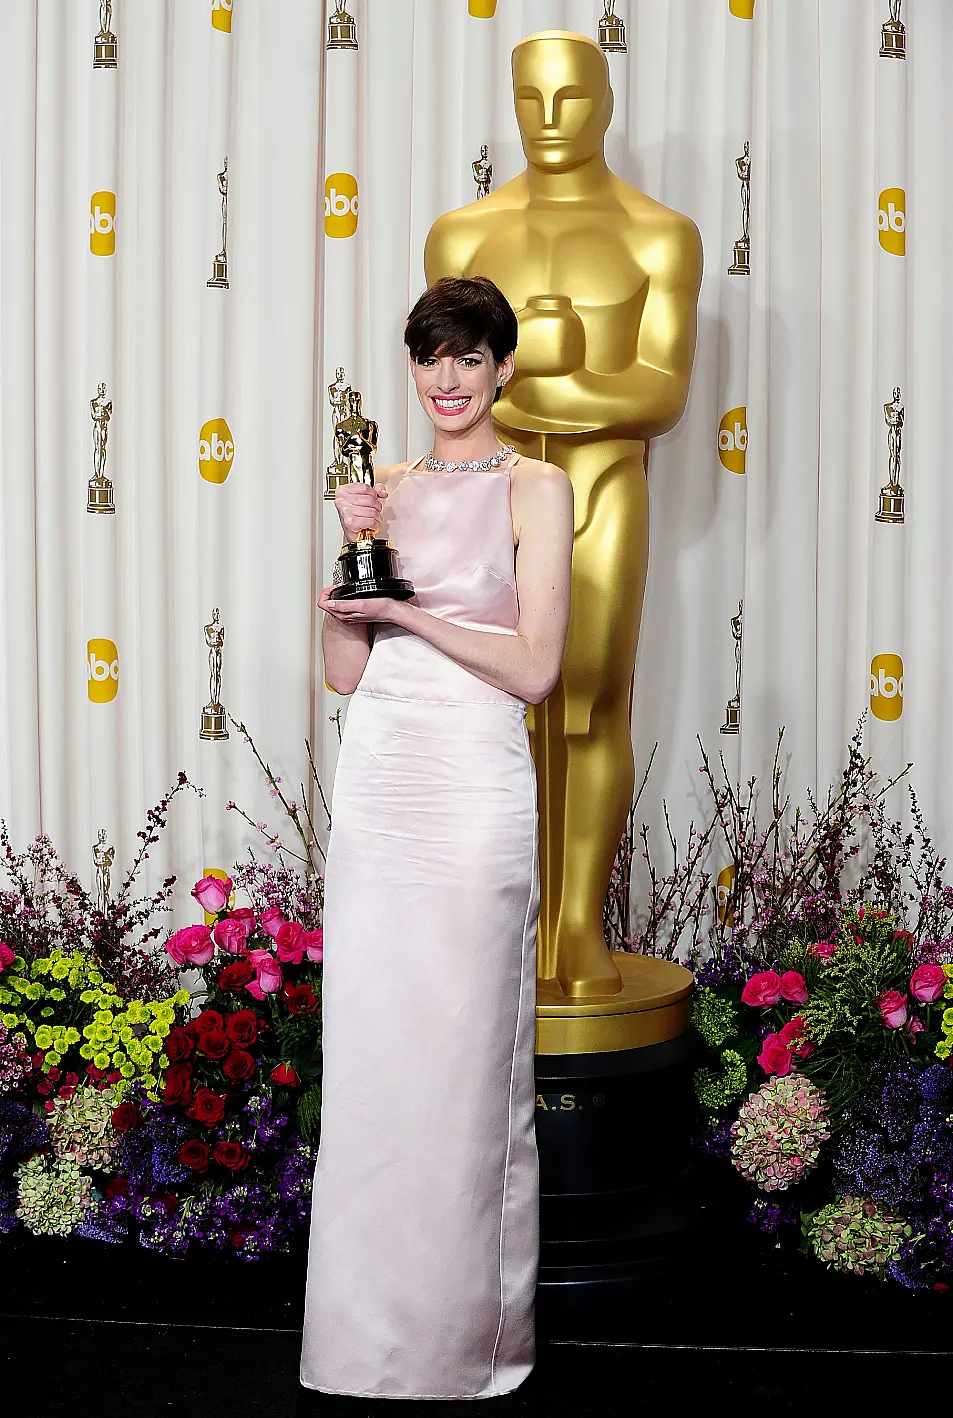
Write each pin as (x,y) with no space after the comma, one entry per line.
(424,1242)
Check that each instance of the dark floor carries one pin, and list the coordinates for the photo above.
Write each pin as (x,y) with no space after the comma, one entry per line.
(120,1333)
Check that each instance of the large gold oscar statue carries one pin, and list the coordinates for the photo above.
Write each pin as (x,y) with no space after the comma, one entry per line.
(605,283)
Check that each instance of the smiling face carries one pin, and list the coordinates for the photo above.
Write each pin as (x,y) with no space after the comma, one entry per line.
(563,99)
(456,392)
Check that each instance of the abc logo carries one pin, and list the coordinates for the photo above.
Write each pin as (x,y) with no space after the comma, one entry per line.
(102,671)
(222,15)
(724,890)
(482,9)
(742,9)
(102,223)
(340,204)
(216,451)
(886,686)
(892,220)
(733,439)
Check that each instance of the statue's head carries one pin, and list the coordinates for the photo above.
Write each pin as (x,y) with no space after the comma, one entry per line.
(563,98)
(354,400)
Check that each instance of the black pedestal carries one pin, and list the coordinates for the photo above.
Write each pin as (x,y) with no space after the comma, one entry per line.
(620,1195)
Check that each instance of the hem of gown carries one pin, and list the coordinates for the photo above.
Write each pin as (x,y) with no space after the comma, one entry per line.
(414,1397)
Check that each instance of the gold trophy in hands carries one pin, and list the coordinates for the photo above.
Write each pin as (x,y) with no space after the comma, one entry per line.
(367,566)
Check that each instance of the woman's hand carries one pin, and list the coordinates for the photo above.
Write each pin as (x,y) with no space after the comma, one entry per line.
(362,610)
(359,508)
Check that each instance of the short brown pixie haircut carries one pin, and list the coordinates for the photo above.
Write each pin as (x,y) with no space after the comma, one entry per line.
(458,314)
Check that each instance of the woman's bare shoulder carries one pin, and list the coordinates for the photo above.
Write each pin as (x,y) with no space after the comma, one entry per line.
(534,478)
(390,476)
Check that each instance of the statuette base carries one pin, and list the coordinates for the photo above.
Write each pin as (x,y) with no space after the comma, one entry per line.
(366,569)
(219,272)
(893,43)
(891,504)
(99,496)
(732,724)
(740,265)
(106,52)
(213,722)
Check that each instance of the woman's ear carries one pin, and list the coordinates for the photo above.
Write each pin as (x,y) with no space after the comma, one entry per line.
(504,371)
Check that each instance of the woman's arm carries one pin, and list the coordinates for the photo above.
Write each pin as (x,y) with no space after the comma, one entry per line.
(525,664)
(346,648)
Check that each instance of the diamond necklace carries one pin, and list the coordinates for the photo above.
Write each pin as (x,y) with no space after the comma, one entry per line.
(476,465)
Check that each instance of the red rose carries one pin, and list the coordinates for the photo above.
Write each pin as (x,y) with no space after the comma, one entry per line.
(232,1155)
(288,946)
(927,983)
(196,1155)
(762,989)
(238,1065)
(207,1107)
(193,945)
(236,975)
(208,1019)
(300,999)
(214,1044)
(793,1036)
(169,1200)
(893,1008)
(117,1186)
(242,1027)
(313,942)
(775,1056)
(179,1045)
(125,1116)
(245,914)
(285,1075)
(178,1085)
(794,987)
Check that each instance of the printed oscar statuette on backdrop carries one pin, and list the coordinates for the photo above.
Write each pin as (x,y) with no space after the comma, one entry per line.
(103,857)
(105,45)
(892,496)
(732,724)
(338,473)
(611,32)
(368,566)
(893,35)
(342,31)
(741,266)
(219,277)
(99,489)
(213,715)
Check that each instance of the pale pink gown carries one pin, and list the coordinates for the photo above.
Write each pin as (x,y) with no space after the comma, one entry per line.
(424,1237)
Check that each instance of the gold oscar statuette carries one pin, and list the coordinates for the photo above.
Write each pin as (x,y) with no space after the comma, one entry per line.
(732,724)
(103,856)
(483,173)
(605,284)
(342,31)
(99,490)
(741,266)
(367,566)
(213,715)
(611,32)
(891,507)
(219,276)
(893,36)
(105,45)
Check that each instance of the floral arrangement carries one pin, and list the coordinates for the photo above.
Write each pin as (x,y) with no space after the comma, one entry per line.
(824,1017)
(131,1108)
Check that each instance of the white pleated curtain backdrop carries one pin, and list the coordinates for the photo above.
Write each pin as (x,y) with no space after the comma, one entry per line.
(794,365)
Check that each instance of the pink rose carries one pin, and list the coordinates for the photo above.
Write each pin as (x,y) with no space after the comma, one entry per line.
(927,983)
(288,943)
(7,956)
(793,1035)
(193,945)
(775,1056)
(794,987)
(212,894)
(268,976)
(247,917)
(313,942)
(893,1008)
(271,921)
(762,989)
(823,949)
(913,1028)
(231,936)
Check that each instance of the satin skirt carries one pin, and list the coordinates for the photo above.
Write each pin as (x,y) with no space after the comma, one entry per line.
(425,1232)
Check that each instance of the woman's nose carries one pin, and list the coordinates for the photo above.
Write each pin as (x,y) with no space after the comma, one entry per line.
(448,376)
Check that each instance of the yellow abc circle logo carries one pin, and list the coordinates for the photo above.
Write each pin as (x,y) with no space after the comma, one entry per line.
(724,890)
(886,686)
(340,204)
(892,220)
(733,439)
(222,15)
(216,450)
(742,9)
(102,671)
(102,223)
(482,9)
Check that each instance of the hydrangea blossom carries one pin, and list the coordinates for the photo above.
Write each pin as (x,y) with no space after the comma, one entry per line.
(53,1196)
(779,1131)
(853,1234)
(81,1127)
